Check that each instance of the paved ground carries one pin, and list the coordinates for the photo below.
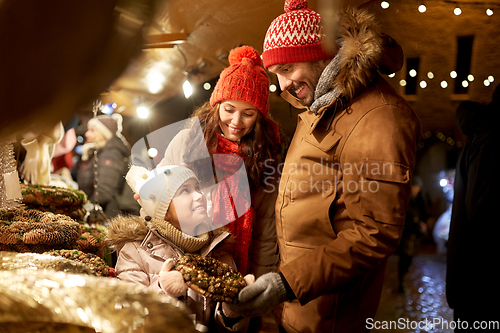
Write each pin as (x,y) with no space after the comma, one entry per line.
(424,300)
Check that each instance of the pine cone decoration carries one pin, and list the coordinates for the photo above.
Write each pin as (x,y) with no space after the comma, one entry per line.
(32,230)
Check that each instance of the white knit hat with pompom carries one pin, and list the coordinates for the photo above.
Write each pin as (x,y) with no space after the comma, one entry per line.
(157,187)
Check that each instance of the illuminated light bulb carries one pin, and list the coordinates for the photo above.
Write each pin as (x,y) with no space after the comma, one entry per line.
(443,182)
(422,8)
(108,108)
(470,77)
(423,84)
(392,75)
(413,73)
(142,112)
(272,88)
(188,90)
(155,81)
(384,4)
(444,84)
(489,12)
(402,83)
(152,152)
(430,75)
(207,86)
(486,83)
(457,11)
(491,78)
(465,83)
(453,74)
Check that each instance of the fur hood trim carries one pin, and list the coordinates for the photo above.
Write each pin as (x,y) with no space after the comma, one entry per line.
(361,43)
(124,229)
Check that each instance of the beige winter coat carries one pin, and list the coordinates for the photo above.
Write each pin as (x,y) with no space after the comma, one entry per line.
(263,257)
(141,253)
(344,192)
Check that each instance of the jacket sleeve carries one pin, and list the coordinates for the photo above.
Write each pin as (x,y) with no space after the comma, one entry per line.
(131,268)
(111,173)
(480,199)
(264,258)
(385,137)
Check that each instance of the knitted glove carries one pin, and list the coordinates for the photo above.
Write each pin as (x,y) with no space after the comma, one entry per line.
(171,281)
(261,297)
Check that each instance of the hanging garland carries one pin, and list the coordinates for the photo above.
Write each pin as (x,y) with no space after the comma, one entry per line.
(438,136)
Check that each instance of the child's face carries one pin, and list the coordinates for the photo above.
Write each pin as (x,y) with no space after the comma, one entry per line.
(188,208)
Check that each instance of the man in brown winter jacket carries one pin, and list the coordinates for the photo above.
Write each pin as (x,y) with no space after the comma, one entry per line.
(345,187)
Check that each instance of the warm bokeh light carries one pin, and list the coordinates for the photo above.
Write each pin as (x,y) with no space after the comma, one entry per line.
(188,90)
(142,112)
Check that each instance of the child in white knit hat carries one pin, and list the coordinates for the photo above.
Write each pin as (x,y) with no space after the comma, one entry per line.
(173,222)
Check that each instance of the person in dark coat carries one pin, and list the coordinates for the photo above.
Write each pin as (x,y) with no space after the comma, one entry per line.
(104,134)
(472,288)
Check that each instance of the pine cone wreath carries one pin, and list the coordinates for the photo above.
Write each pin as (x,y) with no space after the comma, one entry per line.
(30,230)
(57,200)
(52,195)
(92,240)
(95,263)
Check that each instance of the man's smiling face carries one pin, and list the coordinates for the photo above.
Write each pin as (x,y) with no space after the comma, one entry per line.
(300,78)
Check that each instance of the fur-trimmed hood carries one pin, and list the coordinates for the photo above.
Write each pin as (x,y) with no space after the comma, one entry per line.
(124,229)
(130,228)
(364,49)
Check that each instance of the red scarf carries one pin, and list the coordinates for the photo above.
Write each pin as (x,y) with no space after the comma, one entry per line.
(230,200)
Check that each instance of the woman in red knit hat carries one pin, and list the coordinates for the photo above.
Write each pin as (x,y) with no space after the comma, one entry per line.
(235,122)
(235,131)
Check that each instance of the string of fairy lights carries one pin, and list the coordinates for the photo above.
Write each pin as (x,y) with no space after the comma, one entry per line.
(458,9)
(444,84)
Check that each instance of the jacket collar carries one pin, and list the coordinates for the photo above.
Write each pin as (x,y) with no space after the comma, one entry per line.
(312,119)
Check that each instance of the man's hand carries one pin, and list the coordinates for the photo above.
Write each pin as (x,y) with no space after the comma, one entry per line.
(261,297)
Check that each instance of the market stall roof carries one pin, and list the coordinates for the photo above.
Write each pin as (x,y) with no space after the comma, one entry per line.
(191,39)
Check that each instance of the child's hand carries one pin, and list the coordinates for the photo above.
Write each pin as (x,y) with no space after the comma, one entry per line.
(249,279)
(171,281)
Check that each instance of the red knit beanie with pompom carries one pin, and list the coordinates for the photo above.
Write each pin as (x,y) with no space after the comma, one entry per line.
(295,36)
(243,80)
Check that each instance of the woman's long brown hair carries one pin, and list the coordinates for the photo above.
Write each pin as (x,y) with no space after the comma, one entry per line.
(260,145)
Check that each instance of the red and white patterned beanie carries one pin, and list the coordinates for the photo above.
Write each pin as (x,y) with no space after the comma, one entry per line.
(295,36)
